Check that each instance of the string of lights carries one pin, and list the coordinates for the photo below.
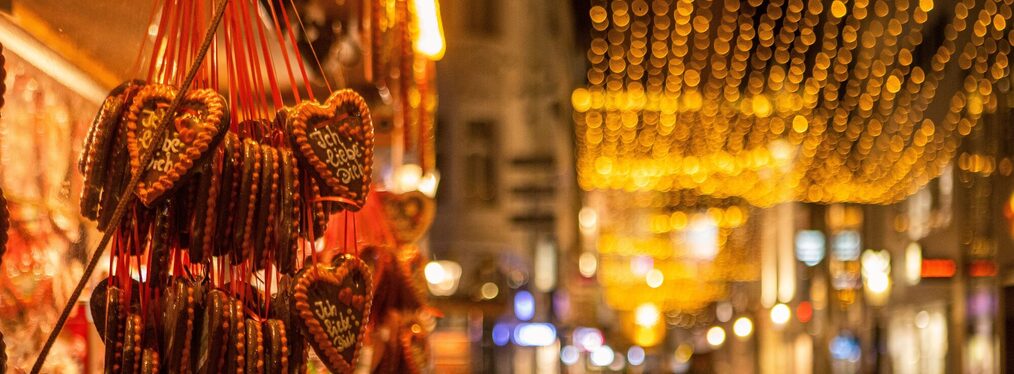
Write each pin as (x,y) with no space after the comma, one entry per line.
(785,100)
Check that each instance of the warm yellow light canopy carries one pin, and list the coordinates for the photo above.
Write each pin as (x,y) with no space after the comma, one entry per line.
(785,100)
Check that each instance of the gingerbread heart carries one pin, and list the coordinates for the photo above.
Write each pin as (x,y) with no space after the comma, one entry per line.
(336,139)
(100,301)
(410,214)
(198,123)
(412,263)
(333,304)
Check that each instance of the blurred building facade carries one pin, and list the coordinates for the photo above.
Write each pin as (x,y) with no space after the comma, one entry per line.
(507,202)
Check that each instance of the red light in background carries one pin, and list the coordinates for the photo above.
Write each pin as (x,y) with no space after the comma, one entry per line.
(804,311)
(982,268)
(938,268)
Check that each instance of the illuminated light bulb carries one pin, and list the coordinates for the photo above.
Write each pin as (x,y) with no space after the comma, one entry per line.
(587,264)
(926,5)
(810,247)
(893,84)
(800,124)
(534,334)
(442,277)
(635,355)
(489,290)
(524,305)
(602,356)
(743,327)
(716,336)
(407,178)
(654,278)
(646,315)
(569,355)
(434,272)
(975,105)
(702,237)
(588,219)
(588,338)
(875,272)
(501,334)
(598,14)
(913,263)
(683,353)
(780,150)
(878,283)
(428,183)
(761,106)
(780,314)
(430,39)
(838,9)
(581,100)
(999,23)
(692,100)
(804,312)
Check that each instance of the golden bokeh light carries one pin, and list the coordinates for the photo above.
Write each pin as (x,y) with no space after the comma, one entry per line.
(792,100)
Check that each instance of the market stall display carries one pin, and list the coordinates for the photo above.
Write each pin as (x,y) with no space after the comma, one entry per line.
(214,190)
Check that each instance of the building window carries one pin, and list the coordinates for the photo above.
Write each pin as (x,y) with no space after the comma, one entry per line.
(480,164)
(483,17)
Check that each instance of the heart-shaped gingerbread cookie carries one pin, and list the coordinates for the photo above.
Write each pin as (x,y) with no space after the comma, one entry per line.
(104,296)
(198,123)
(336,139)
(333,303)
(410,214)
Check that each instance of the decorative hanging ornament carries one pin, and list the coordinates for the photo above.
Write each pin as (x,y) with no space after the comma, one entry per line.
(199,123)
(336,140)
(409,214)
(334,303)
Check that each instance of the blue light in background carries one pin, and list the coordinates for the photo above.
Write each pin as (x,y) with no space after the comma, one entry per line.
(501,334)
(534,334)
(569,355)
(845,348)
(810,248)
(524,305)
(846,246)
(635,355)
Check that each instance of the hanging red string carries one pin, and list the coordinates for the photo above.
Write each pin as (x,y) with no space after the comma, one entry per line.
(285,54)
(295,50)
(246,35)
(313,52)
(276,95)
(157,47)
(136,69)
